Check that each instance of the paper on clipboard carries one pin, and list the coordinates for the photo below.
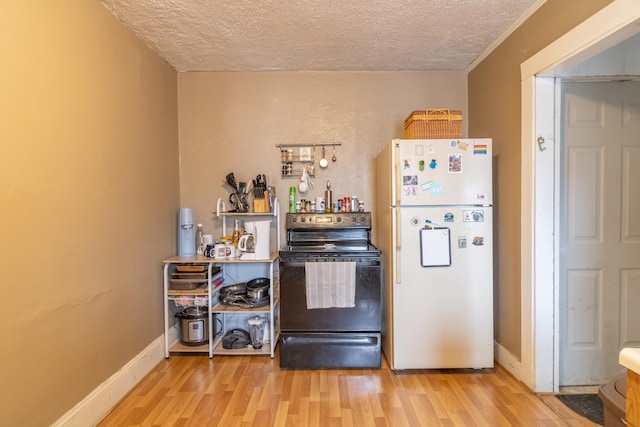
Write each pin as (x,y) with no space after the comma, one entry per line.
(435,247)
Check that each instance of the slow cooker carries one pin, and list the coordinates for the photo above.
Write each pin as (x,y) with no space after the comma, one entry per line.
(194,325)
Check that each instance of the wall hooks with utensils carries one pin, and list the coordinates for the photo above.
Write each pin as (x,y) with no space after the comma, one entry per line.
(296,158)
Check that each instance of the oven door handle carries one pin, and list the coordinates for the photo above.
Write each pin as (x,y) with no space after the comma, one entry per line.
(360,263)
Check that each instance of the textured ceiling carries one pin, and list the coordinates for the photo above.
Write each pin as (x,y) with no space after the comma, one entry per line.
(377,35)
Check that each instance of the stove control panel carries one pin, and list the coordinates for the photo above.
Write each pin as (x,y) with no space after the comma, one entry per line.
(328,220)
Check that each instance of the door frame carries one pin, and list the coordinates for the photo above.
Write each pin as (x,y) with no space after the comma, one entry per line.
(539,266)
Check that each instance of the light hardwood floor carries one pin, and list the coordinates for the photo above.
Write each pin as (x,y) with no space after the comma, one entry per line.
(193,390)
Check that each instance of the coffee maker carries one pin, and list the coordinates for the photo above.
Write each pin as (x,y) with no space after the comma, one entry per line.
(260,231)
(186,233)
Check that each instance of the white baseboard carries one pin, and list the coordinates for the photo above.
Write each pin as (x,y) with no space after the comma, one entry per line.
(94,407)
(508,361)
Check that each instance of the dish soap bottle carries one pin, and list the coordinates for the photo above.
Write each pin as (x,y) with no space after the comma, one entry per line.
(328,202)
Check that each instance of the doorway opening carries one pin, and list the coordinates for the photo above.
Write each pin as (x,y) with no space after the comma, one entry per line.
(614,24)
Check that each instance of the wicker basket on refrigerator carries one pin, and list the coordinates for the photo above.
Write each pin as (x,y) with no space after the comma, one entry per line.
(437,123)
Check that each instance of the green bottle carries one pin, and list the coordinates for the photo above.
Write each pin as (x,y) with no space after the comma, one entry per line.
(292,199)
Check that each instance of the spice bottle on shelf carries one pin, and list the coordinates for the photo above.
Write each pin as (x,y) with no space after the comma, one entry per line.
(235,237)
(328,202)
(354,204)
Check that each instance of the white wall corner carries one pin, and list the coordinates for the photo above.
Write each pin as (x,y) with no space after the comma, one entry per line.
(93,408)
(507,360)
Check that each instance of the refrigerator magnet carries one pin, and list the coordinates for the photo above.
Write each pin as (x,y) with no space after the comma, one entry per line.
(480,149)
(478,241)
(436,189)
(410,185)
(455,163)
(433,164)
(462,242)
(474,215)
(463,145)
(448,217)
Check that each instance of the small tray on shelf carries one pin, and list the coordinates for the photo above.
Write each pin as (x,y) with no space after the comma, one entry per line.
(194,275)
(197,268)
(186,284)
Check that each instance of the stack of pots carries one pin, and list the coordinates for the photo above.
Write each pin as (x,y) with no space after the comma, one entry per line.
(253,294)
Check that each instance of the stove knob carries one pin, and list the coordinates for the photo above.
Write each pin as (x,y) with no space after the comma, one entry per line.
(339,219)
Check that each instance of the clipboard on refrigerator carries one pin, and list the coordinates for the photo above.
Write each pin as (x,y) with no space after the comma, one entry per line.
(435,247)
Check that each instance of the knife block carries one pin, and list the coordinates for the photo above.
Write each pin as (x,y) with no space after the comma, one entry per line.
(261,205)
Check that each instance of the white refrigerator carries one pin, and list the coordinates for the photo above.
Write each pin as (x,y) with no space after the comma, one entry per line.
(434,225)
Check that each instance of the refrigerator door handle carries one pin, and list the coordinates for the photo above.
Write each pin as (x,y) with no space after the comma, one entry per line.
(398,244)
(395,189)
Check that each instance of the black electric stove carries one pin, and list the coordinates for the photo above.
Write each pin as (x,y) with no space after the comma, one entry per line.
(330,337)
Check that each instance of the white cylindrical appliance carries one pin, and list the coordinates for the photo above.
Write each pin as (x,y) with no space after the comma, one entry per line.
(262,239)
(186,233)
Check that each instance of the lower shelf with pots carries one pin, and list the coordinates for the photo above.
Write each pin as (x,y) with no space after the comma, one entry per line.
(221,317)
(235,315)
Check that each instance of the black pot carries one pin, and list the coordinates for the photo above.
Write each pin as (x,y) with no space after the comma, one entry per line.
(258,289)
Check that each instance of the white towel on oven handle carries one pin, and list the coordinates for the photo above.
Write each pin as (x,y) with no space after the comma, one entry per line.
(330,284)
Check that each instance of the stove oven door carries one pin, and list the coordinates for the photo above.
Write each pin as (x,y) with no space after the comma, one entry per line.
(365,316)
(322,338)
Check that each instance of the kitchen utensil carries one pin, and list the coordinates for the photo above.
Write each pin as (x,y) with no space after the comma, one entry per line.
(231,180)
(198,268)
(194,325)
(323,161)
(236,339)
(256,330)
(258,288)
(334,158)
(239,200)
(304,181)
(186,284)
(247,243)
(311,168)
(236,295)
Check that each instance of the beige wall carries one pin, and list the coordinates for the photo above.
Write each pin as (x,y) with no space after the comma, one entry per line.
(494,109)
(231,122)
(90,184)
(89,190)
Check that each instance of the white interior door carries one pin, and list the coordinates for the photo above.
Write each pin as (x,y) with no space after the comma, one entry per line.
(600,229)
